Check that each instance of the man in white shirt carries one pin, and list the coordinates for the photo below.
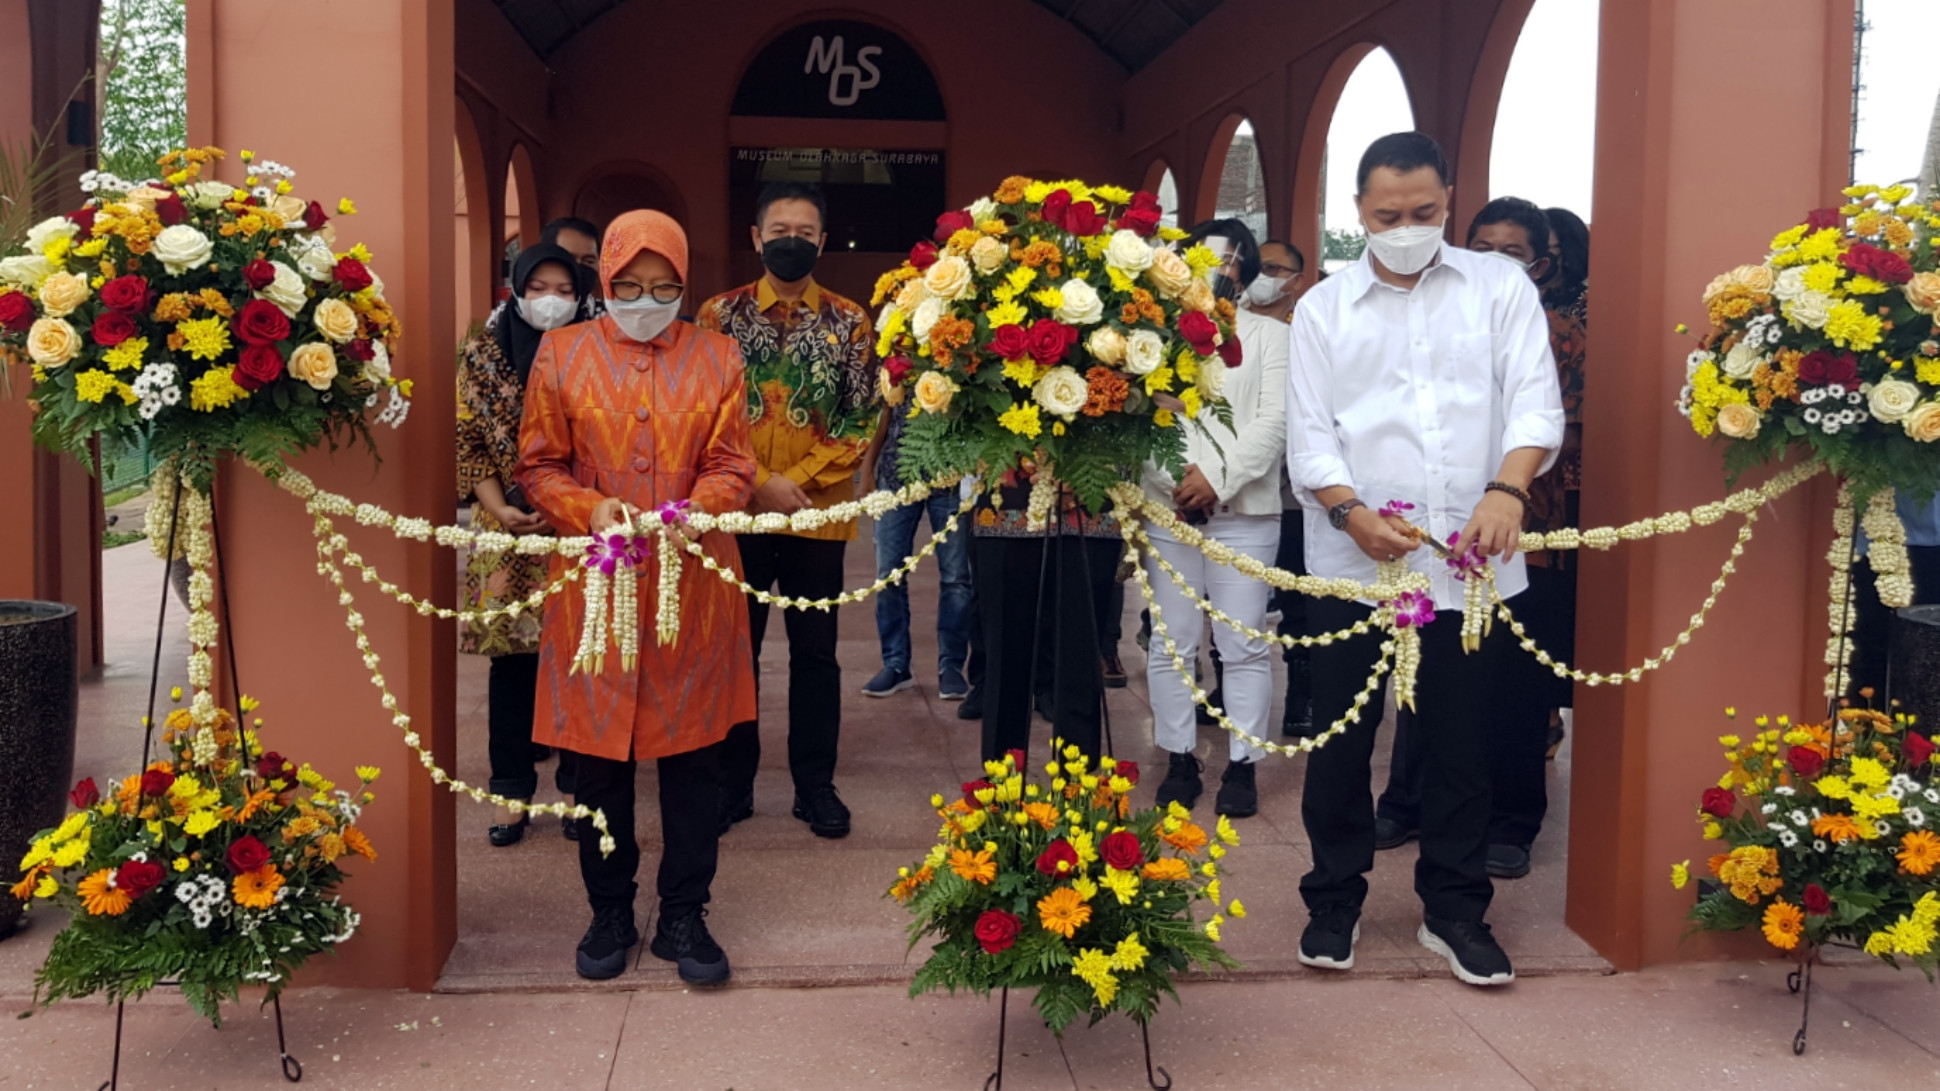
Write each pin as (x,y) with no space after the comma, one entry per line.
(1421,374)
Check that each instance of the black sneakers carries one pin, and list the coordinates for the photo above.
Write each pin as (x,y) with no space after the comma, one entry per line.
(972,706)
(684,941)
(1181,781)
(602,952)
(736,806)
(1328,943)
(1389,834)
(1507,861)
(1470,950)
(1238,797)
(1114,671)
(822,809)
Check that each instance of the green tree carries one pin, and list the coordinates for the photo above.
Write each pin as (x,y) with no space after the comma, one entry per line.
(141,83)
(1342,245)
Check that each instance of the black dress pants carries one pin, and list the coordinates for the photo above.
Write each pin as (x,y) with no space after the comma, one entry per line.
(809,568)
(1529,694)
(511,690)
(1452,692)
(1074,576)
(690,829)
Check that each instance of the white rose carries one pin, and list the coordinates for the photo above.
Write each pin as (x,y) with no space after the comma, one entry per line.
(1106,345)
(1742,360)
(1739,421)
(981,209)
(25,270)
(314,363)
(1790,284)
(335,320)
(949,277)
(1144,352)
(1128,253)
(378,368)
(1061,391)
(287,291)
(209,195)
(1893,399)
(1212,381)
(181,248)
(1923,424)
(1081,306)
(1809,309)
(989,254)
(46,231)
(927,312)
(316,261)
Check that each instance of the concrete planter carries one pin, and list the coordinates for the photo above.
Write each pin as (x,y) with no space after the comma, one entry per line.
(38,692)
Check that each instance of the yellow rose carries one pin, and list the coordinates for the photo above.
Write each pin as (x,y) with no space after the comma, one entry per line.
(988,255)
(1106,345)
(1923,424)
(1198,296)
(52,342)
(314,363)
(1923,292)
(290,208)
(1739,421)
(1169,273)
(144,197)
(934,391)
(335,320)
(61,293)
(912,295)
(1750,278)
(948,278)
(890,391)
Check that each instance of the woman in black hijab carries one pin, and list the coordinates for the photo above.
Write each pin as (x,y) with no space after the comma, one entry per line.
(548,290)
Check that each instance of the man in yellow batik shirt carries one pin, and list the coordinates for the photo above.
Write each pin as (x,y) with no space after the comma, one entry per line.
(812,408)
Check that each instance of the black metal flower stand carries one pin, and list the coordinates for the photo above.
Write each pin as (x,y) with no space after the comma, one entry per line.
(1799,981)
(995,1081)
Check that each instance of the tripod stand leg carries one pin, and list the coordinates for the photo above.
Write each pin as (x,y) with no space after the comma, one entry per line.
(995,1081)
(114,1071)
(292,1068)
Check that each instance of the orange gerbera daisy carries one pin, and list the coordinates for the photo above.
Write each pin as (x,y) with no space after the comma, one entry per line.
(1188,838)
(1784,924)
(100,896)
(978,867)
(358,842)
(1167,868)
(257,889)
(1919,852)
(1836,828)
(257,801)
(1043,814)
(24,889)
(1063,911)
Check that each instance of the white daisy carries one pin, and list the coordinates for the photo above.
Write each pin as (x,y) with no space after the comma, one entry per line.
(1819,845)
(1788,839)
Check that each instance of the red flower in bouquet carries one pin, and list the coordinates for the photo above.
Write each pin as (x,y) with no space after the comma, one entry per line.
(1199,331)
(1122,851)
(1229,352)
(272,766)
(16,312)
(1821,218)
(1817,902)
(922,255)
(258,366)
(1143,216)
(1050,339)
(971,788)
(1884,265)
(1017,759)
(156,781)
(1917,749)
(1128,770)
(83,219)
(84,795)
(111,328)
(258,274)
(360,350)
(1719,802)
(1821,368)
(1083,219)
(1806,762)
(127,294)
(261,322)
(997,930)
(351,275)
(1008,342)
(1058,859)
(897,367)
(1054,207)
(138,877)
(950,223)
(170,210)
(247,854)
(313,217)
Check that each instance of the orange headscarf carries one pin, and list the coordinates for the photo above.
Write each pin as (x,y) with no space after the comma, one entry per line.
(638,231)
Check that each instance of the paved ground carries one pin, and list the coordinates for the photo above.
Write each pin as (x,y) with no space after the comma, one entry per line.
(794,911)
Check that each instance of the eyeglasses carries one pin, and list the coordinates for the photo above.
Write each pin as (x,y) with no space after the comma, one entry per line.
(1275,269)
(628,292)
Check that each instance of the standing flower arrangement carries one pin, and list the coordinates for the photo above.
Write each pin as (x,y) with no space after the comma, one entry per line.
(1044,324)
(207,318)
(1063,888)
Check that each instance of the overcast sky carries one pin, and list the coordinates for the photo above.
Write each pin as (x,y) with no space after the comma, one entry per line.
(1544,141)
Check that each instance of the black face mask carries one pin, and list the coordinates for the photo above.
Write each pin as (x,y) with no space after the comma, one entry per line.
(789,259)
(1225,287)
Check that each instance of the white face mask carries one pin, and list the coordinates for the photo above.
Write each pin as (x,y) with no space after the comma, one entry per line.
(1266,291)
(1407,250)
(643,319)
(1511,259)
(548,312)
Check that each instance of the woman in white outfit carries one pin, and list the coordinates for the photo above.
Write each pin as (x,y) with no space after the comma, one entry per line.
(1231,489)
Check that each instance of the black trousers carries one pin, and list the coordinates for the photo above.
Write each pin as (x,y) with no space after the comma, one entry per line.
(1873,623)
(1452,691)
(1074,576)
(511,690)
(1528,695)
(690,829)
(809,568)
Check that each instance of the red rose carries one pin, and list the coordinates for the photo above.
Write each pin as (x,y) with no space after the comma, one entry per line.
(84,795)
(1817,901)
(897,367)
(1822,368)
(1229,351)
(1009,342)
(83,218)
(922,255)
(1199,332)
(971,788)
(171,210)
(16,312)
(360,349)
(1058,859)
(129,295)
(156,781)
(1142,216)
(1884,265)
(138,877)
(111,328)
(950,223)
(1083,218)
(258,274)
(1821,218)
(352,275)
(1128,770)
(258,366)
(1806,762)
(1017,759)
(1719,802)
(247,854)
(271,765)
(1917,749)
(1050,340)
(261,322)
(1055,206)
(1122,851)
(997,930)
(313,217)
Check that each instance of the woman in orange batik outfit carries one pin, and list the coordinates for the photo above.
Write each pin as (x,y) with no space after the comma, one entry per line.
(624,414)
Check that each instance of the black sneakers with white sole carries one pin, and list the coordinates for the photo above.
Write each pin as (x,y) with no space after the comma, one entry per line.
(1470,950)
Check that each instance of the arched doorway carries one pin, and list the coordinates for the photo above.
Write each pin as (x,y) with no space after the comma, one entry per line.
(1160,183)
(1543,140)
(1373,102)
(613,188)
(1238,185)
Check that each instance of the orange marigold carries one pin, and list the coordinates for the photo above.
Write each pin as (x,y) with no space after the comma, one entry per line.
(1784,924)
(1106,391)
(358,842)
(1919,852)
(1063,911)
(100,896)
(1167,868)
(1751,871)
(977,867)
(1011,190)
(1040,253)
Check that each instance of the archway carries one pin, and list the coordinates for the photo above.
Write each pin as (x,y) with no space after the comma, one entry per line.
(471,202)
(1540,142)
(613,188)
(1371,102)
(1205,196)
(1160,183)
(1239,187)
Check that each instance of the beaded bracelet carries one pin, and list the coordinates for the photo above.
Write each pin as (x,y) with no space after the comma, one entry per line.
(1505,487)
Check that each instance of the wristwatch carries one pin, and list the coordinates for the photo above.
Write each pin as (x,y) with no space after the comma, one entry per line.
(1337,515)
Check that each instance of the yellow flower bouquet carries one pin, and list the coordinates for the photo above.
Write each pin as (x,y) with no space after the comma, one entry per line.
(216,869)
(1063,888)
(1828,834)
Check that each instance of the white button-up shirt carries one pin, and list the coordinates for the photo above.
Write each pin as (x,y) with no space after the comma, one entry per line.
(1415,396)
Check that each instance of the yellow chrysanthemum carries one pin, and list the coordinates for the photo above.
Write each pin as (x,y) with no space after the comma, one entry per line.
(204,338)
(1159,381)
(93,386)
(1680,875)
(1048,298)
(1212,927)
(1093,967)
(1086,888)
(1006,313)
(1833,787)
(215,389)
(1022,419)
(1821,245)
(1023,372)
(126,356)
(1868,773)
(1822,276)
(199,823)
(1129,955)
(1850,324)
(1237,910)
(1122,884)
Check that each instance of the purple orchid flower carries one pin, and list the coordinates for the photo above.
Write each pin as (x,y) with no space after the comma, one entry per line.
(1468,564)
(611,552)
(1412,609)
(1397,507)
(674,512)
